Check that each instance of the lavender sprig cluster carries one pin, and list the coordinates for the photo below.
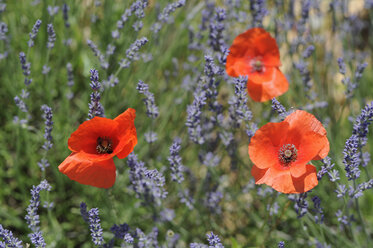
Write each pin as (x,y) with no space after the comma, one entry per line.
(149,240)
(26,68)
(53,10)
(95,226)
(151,108)
(238,110)
(47,116)
(8,239)
(132,53)
(164,16)
(70,80)
(95,107)
(361,125)
(32,217)
(214,242)
(177,168)
(3,36)
(217,26)
(259,10)
(147,184)
(51,36)
(279,108)
(101,57)
(65,13)
(136,7)
(302,67)
(351,85)
(34,33)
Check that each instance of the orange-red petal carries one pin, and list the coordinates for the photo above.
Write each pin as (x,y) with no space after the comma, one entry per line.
(127,132)
(99,174)
(264,145)
(85,137)
(284,182)
(304,122)
(254,43)
(263,86)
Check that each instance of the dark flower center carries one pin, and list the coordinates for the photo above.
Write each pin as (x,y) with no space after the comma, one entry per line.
(104,145)
(257,65)
(287,154)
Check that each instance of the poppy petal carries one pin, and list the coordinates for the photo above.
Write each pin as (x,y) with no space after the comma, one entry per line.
(264,145)
(85,137)
(128,148)
(99,174)
(127,133)
(254,43)
(266,85)
(303,122)
(307,182)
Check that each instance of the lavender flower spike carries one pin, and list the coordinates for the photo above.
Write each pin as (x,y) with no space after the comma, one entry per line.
(8,239)
(33,33)
(47,116)
(151,108)
(95,107)
(95,226)
(279,108)
(362,123)
(132,53)
(174,159)
(51,36)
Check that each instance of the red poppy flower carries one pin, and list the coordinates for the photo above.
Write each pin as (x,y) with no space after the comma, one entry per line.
(281,152)
(93,146)
(255,54)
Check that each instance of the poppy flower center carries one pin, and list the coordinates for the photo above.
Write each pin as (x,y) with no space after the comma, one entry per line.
(288,153)
(257,65)
(104,145)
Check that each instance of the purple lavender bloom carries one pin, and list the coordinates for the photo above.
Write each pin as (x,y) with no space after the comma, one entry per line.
(281,244)
(151,108)
(164,16)
(32,217)
(37,239)
(46,69)
(342,66)
(167,214)
(341,190)
(325,168)
(279,108)
(343,219)
(120,231)
(95,107)
(301,204)
(83,212)
(111,81)
(26,68)
(177,168)
(351,158)
(211,160)
(128,238)
(47,116)
(8,239)
(149,240)
(366,159)
(319,217)
(258,9)
(361,125)
(186,198)
(217,27)
(51,36)
(53,10)
(70,76)
(147,184)
(95,226)
(20,104)
(238,110)
(43,163)
(308,52)
(104,64)
(34,32)
(214,241)
(132,53)
(212,201)
(2,7)
(65,12)
(110,49)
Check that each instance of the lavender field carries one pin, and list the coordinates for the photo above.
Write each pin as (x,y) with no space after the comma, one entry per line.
(186,123)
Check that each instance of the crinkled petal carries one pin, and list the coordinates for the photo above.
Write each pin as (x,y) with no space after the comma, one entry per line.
(254,43)
(127,133)
(85,137)
(264,145)
(99,174)
(302,122)
(263,86)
